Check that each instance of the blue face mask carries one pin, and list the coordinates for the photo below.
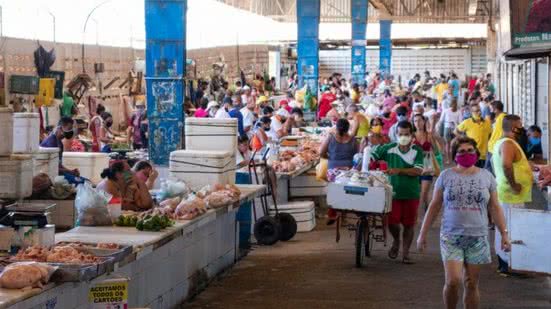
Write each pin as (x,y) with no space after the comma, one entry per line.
(402,117)
(534,140)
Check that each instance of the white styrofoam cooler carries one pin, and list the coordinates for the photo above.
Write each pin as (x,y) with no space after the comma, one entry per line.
(307,185)
(6,129)
(360,198)
(26,132)
(46,160)
(16,176)
(199,168)
(304,213)
(90,164)
(211,134)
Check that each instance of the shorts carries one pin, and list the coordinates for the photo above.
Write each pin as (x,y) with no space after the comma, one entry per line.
(404,212)
(467,249)
(426,178)
(448,134)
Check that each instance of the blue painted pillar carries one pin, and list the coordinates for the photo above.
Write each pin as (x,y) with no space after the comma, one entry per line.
(165,59)
(308,19)
(359,27)
(385,46)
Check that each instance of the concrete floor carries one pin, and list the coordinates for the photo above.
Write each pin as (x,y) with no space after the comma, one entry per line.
(312,271)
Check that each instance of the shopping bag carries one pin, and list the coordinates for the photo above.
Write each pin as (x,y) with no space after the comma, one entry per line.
(256,143)
(437,162)
(428,165)
(321,170)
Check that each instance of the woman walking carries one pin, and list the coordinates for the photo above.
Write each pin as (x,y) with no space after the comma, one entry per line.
(467,194)
(450,119)
(427,142)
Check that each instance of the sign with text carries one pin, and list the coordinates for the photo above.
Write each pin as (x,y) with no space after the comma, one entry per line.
(109,294)
(531,22)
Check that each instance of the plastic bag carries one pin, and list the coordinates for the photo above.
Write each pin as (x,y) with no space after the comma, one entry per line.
(91,205)
(321,170)
(428,166)
(173,188)
(23,275)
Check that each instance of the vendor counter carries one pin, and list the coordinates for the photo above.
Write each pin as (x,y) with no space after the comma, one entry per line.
(164,269)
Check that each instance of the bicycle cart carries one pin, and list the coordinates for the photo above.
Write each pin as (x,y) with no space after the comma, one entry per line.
(369,203)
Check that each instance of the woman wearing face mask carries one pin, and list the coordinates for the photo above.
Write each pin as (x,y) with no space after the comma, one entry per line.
(478,129)
(95,127)
(135,125)
(120,182)
(467,195)
(106,136)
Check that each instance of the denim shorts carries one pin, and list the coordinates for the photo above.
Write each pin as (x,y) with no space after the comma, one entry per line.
(468,249)
(426,177)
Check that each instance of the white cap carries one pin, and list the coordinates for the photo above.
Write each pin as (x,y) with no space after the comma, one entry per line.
(283,113)
(212,104)
(246,87)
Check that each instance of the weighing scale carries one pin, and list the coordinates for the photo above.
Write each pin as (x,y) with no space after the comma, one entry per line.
(26,214)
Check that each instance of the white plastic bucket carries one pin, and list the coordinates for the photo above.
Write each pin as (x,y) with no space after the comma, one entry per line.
(198,168)
(26,132)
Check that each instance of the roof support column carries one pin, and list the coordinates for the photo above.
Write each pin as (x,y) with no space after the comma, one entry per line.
(385,46)
(165,55)
(308,19)
(359,28)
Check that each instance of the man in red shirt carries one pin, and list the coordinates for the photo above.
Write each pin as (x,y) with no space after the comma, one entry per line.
(325,102)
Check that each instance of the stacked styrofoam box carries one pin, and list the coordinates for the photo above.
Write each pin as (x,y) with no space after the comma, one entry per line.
(16,176)
(6,129)
(307,185)
(62,215)
(46,160)
(19,134)
(304,213)
(26,132)
(211,134)
(89,164)
(199,168)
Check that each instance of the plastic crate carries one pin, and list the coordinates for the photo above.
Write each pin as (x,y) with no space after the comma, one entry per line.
(24,84)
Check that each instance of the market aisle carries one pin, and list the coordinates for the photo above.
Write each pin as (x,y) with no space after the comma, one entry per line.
(314,272)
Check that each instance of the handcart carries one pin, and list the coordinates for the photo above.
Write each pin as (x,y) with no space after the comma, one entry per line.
(267,229)
(368,203)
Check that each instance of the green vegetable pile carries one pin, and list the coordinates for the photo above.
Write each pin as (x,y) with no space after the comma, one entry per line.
(147,223)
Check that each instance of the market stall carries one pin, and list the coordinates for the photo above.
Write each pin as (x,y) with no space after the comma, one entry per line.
(163,268)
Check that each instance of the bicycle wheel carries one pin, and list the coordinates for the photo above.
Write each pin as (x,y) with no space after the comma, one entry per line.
(360,242)
(369,229)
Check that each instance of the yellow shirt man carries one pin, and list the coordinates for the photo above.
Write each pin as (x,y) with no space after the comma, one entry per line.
(479,131)
(497,132)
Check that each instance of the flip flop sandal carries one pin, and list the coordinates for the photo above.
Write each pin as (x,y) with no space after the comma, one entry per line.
(393,252)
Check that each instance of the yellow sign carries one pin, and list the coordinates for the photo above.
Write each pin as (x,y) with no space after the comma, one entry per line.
(112,293)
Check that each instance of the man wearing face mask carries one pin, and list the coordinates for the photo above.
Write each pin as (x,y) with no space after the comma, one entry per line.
(405,165)
(513,175)
(401,113)
(533,149)
(223,112)
(63,130)
(478,129)
(496,109)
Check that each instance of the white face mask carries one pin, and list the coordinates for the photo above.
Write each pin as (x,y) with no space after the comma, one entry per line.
(404,140)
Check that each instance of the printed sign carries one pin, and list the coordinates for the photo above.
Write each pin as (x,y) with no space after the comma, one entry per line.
(531,22)
(109,294)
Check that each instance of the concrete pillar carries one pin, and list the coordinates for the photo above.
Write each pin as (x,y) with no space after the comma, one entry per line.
(308,18)
(359,27)
(385,46)
(165,61)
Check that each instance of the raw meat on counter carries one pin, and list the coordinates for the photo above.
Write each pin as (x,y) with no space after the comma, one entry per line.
(190,208)
(223,195)
(23,275)
(58,254)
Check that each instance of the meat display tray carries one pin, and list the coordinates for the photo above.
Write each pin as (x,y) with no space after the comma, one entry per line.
(116,255)
(79,272)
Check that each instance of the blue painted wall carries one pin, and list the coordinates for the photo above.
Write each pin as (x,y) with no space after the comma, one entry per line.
(385,46)
(165,55)
(308,17)
(359,27)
